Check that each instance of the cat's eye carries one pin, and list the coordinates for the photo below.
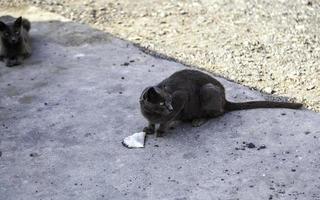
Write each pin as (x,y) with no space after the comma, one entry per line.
(17,32)
(161,103)
(6,34)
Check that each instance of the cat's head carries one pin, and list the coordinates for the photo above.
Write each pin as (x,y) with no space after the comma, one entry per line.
(157,101)
(11,32)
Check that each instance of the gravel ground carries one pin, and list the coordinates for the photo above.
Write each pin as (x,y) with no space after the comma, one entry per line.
(271,45)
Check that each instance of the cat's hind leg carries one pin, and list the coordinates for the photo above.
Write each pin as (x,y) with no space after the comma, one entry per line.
(26,55)
(212,99)
(27,51)
(198,122)
(174,124)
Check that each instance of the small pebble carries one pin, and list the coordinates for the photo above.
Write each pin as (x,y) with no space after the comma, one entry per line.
(261,147)
(34,155)
(251,145)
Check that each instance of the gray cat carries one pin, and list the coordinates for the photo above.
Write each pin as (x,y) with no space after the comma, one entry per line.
(191,95)
(14,40)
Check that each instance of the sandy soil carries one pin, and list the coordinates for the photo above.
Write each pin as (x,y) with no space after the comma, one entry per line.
(271,45)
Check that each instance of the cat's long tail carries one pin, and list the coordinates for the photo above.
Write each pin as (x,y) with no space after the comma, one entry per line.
(230,106)
(26,24)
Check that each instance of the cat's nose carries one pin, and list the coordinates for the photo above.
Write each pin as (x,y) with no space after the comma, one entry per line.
(14,40)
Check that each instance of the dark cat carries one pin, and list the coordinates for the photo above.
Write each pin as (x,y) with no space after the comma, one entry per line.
(191,95)
(14,40)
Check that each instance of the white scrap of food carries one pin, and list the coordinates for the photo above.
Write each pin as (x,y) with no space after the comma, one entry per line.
(135,141)
(79,55)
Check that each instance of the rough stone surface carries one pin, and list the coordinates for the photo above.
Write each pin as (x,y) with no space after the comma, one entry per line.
(64,113)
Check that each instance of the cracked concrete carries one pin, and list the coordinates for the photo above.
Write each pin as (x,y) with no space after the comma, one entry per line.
(65,111)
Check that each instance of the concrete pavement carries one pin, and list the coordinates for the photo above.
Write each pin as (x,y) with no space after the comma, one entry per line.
(65,111)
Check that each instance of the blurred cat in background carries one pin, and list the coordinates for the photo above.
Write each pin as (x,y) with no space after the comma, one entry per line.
(14,40)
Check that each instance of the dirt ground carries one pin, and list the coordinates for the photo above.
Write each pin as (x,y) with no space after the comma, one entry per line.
(270,45)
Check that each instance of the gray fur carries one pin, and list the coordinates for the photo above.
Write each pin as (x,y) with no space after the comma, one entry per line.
(14,40)
(191,95)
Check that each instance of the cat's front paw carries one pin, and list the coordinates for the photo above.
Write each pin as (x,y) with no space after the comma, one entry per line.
(9,64)
(12,62)
(159,133)
(148,130)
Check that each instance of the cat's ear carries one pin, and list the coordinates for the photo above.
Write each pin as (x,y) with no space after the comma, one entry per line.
(144,93)
(157,89)
(18,22)
(2,26)
(153,92)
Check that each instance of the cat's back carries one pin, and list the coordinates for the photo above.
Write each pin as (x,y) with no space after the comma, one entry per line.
(8,19)
(189,76)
